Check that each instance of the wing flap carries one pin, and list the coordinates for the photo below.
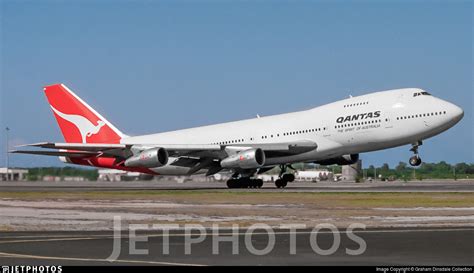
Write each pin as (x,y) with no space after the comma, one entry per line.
(282,148)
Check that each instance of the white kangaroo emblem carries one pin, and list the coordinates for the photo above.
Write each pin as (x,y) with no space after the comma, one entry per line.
(86,128)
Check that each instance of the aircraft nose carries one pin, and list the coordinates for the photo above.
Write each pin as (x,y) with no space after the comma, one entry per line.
(456,112)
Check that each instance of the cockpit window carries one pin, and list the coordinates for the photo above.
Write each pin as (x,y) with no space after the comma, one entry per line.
(424,93)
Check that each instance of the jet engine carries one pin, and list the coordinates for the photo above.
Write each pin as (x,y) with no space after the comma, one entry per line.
(248,159)
(150,158)
(341,160)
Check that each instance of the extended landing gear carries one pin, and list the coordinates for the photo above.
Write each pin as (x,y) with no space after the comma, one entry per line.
(284,178)
(415,160)
(244,182)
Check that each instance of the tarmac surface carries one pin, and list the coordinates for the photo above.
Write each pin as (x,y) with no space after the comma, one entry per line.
(418,235)
(405,246)
(326,186)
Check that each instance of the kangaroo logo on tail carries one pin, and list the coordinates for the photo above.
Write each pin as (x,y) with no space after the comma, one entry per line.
(91,126)
(85,127)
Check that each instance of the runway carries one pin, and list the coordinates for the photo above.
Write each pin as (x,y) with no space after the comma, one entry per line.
(402,246)
(394,186)
(70,223)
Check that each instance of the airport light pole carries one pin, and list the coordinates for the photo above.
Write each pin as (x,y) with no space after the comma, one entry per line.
(7,130)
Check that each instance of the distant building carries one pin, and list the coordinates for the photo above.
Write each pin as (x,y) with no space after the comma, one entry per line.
(51,178)
(74,178)
(55,178)
(313,175)
(350,172)
(13,174)
(117,175)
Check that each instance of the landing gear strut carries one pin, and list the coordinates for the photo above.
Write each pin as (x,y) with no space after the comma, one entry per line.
(284,177)
(415,160)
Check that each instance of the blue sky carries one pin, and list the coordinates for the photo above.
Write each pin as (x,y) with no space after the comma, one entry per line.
(152,66)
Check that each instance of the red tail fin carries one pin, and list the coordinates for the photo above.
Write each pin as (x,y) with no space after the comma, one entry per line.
(79,123)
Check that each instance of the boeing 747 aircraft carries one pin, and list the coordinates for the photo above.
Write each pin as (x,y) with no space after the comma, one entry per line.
(334,133)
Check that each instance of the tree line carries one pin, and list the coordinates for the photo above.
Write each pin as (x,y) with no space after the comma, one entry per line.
(403,171)
(441,170)
(39,173)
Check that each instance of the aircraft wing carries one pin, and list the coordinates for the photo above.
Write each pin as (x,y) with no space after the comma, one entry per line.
(213,151)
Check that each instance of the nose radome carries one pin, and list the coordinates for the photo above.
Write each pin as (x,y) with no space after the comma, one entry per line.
(457,112)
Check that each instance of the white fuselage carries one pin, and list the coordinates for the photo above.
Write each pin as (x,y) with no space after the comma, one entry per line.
(355,125)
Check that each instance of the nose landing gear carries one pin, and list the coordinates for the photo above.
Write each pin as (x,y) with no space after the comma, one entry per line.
(415,160)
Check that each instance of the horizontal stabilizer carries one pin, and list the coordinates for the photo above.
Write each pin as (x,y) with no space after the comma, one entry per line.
(76,146)
(59,153)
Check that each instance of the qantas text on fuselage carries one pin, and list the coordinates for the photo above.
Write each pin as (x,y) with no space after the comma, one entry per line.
(369,115)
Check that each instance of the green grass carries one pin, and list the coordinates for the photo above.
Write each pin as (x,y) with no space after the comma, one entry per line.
(327,199)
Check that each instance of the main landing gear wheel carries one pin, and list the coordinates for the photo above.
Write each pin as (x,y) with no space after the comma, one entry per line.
(415,160)
(284,178)
(244,182)
(280,183)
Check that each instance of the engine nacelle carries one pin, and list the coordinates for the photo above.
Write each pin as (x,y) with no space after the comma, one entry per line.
(342,160)
(150,158)
(248,159)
